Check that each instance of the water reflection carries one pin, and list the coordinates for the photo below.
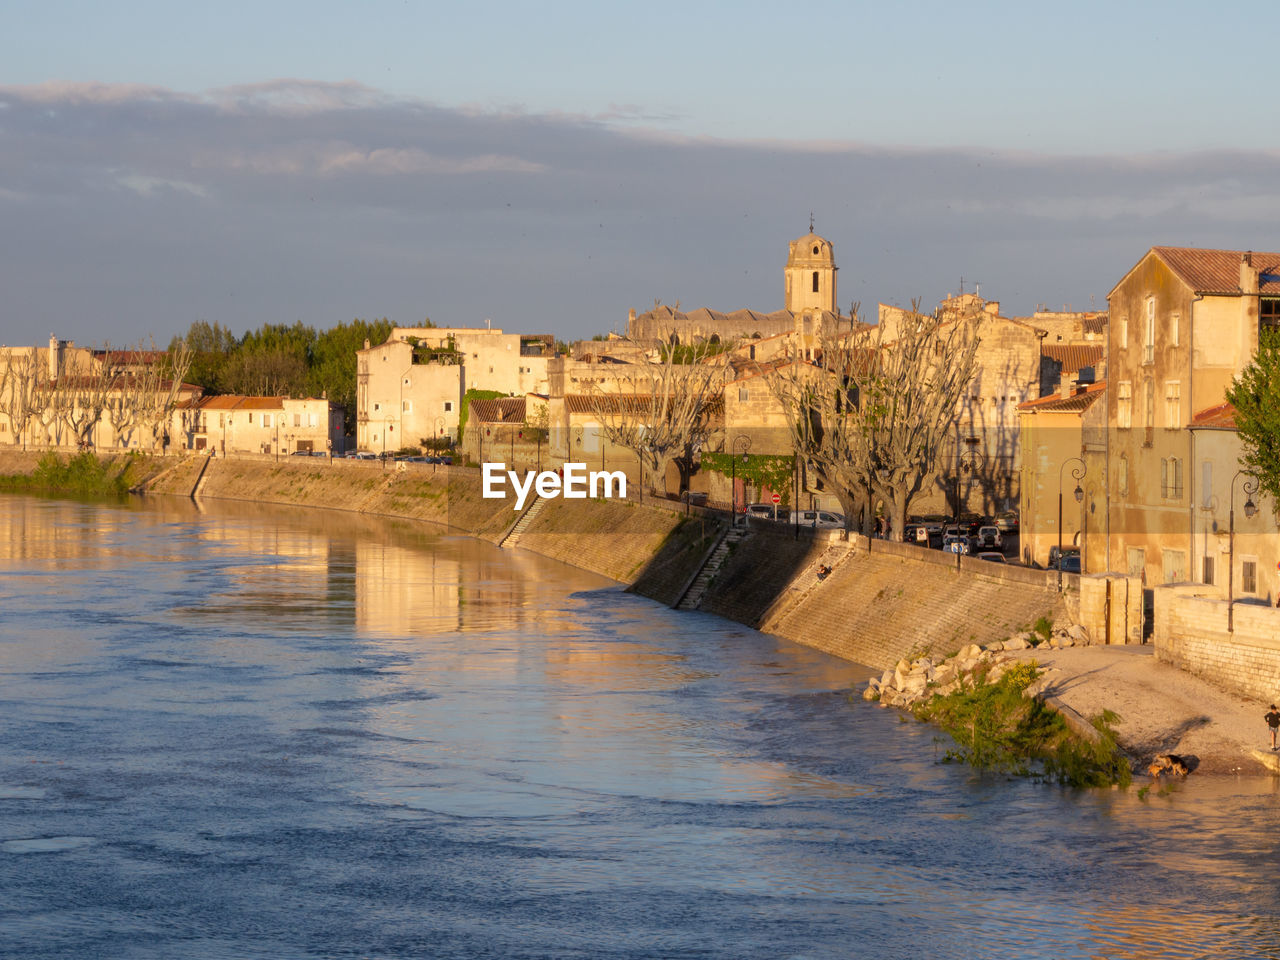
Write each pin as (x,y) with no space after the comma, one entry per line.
(248,732)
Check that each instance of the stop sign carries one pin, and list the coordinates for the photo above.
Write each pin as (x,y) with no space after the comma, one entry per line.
(777,498)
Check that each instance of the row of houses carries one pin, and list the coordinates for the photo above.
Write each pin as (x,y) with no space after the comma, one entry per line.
(1152,448)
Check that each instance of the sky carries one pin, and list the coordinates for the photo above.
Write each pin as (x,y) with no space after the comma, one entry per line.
(547,168)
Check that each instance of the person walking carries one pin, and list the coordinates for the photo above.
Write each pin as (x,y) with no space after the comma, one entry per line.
(1273,721)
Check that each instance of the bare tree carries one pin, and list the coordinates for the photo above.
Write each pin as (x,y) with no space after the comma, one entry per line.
(143,401)
(871,416)
(664,410)
(91,392)
(21,388)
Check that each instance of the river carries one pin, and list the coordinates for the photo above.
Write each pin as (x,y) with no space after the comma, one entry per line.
(238,732)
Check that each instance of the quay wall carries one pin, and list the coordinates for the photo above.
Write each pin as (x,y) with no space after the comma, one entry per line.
(881,601)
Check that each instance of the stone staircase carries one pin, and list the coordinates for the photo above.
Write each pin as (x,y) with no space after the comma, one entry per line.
(512,537)
(693,596)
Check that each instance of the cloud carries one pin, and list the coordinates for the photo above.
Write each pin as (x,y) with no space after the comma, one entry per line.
(290,199)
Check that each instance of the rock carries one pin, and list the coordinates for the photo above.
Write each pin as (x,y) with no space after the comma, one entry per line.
(1078,633)
(970,652)
(886,678)
(915,685)
(997,646)
(1016,643)
(871,693)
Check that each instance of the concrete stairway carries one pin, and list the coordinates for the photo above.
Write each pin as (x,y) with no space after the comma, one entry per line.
(512,537)
(693,596)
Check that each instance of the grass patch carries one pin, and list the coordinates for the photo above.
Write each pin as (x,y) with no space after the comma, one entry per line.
(997,729)
(83,475)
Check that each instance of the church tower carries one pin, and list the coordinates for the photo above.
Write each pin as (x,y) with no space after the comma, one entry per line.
(811,276)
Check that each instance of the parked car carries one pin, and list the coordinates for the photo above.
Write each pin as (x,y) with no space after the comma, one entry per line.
(1007,521)
(989,538)
(766,511)
(817,518)
(992,556)
(363,455)
(916,533)
(300,453)
(1070,562)
(957,544)
(1066,552)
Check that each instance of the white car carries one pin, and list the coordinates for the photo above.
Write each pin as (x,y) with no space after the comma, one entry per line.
(817,518)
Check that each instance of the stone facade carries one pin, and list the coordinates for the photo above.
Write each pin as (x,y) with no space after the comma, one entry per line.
(1183,323)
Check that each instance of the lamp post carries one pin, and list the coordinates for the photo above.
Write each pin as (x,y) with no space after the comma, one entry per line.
(745,442)
(1250,508)
(970,461)
(278,438)
(439,431)
(387,427)
(1078,475)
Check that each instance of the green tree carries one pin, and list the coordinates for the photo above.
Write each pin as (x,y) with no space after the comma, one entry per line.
(333,362)
(1255,394)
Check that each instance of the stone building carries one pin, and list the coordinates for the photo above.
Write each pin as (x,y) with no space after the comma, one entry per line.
(232,423)
(1184,322)
(411,388)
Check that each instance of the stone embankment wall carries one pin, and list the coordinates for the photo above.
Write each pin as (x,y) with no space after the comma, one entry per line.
(877,605)
(1191,633)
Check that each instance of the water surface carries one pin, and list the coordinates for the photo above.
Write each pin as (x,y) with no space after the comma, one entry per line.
(247,732)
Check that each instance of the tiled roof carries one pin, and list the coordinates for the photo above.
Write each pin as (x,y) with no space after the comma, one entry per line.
(261,403)
(502,410)
(1073,357)
(1075,403)
(232,401)
(1095,322)
(1218,271)
(1221,417)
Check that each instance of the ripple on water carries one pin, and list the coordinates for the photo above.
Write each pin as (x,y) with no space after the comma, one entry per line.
(46,844)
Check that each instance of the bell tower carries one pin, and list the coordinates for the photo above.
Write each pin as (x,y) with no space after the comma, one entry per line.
(811,275)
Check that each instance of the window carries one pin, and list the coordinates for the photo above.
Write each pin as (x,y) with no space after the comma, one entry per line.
(1122,475)
(377,406)
(1149,414)
(1149,337)
(406,381)
(815,281)
(297,419)
(1249,575)
(448,406)
(1175,566)
(1171,478)
(313,419)
(1206,488)
(1172,405)
(1124,332)
(406,406)
(251,416)
(743,394)
(266,420)
(1175,333)
(1206,573)
(222,422)
(1124,405)
(1269,312)
(815,249)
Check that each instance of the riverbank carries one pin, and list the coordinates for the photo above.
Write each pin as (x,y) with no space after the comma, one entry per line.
(879,604)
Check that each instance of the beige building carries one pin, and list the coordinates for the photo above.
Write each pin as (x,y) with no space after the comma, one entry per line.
(1184,322)
(411,388)
(272,425)
(1063,448)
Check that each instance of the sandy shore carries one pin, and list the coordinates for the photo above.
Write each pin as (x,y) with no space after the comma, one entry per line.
(1162,709)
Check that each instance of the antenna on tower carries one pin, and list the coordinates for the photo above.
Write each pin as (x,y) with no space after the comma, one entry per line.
(811,221)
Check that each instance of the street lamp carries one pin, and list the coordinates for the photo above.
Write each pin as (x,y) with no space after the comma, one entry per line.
(745,442)
(278,437)
(387,426)
(1078,475)
(1250,508)
(970,461)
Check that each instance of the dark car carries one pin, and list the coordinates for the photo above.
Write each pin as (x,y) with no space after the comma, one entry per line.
(1067,553)
(1070,562)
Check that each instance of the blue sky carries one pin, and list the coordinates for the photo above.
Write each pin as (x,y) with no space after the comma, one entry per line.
(550,167)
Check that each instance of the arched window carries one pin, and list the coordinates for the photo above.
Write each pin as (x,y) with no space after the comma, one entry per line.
(815,281)
(815,249)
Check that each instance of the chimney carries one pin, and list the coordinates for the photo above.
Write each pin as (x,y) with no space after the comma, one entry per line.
(1248,274)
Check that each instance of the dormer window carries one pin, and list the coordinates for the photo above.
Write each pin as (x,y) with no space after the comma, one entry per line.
(817,249)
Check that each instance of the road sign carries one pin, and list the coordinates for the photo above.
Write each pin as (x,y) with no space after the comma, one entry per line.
(777,498)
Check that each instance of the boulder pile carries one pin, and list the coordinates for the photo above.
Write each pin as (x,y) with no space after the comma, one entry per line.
(912,681)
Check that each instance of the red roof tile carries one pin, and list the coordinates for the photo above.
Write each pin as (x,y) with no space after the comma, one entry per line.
(1218,271)
(1073,356)
(1221,417)
(1074,403)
